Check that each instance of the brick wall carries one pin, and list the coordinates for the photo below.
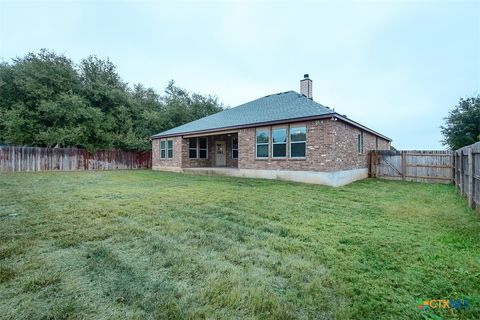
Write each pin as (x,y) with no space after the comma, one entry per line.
(331,146)
(181,157)
(176,161)
(318,154)
(346,150)
(193,163)
(210,162)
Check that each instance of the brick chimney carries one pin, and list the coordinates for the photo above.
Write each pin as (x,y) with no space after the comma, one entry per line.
(306,86)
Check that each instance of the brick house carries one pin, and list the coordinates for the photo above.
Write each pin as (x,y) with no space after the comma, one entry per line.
(284,136)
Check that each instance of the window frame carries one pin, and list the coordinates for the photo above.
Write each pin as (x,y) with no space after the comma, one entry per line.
(297,142)
(169,149)
(267,129)
(163,149)
(280,143)
(197,148)
(190,149)
(235,149)
(360,146)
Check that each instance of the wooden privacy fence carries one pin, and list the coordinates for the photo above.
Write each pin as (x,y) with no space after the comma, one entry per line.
(467,173)
(413,165)
(70,159)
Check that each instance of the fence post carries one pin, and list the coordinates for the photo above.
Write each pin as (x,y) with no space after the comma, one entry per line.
(372,173)
(14,159)
(404,165)
(460,167)
(470,178)
(459,161)
(454,168)
(457,168)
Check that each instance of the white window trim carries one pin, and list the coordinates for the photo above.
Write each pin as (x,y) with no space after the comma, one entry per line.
(237,146)
(285,143)
(297,142)
(262,143)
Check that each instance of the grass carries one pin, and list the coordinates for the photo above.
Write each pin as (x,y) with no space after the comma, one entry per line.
(144,244)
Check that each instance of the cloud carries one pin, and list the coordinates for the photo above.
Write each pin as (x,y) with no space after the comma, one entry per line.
(397,67)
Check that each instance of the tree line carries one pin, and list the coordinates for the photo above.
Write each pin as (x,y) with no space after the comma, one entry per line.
(47,100)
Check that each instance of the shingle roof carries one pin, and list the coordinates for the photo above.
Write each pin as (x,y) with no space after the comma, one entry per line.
(274,107)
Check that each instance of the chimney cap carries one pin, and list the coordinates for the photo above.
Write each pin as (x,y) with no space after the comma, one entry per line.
(305,76)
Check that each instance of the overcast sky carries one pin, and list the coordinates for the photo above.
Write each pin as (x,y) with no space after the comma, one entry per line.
(394,66)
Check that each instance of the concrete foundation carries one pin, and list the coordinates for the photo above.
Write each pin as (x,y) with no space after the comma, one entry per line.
(169,169)
(334,179)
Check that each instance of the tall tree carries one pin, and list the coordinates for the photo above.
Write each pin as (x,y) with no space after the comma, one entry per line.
(26,85)
(104,90)
(182,106)
(149,115)
(462,125)
(47,100)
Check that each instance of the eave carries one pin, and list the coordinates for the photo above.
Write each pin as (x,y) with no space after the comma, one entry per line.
(260,124)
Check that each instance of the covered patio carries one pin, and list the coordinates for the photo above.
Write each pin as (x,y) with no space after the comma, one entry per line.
(210,151)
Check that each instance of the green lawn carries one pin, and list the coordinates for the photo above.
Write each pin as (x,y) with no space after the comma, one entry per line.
(144,244)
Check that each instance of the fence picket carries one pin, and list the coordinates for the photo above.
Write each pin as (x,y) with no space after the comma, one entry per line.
(13,158)
(467,173)
(413,165)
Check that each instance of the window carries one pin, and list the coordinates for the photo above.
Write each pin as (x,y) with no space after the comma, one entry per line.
(298,141)
(192,148)
(279,142)
(262,139)
(162,149)
(197,148)
(234,147)
(202,148)
(170,149)
(376,143)
(360,142)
